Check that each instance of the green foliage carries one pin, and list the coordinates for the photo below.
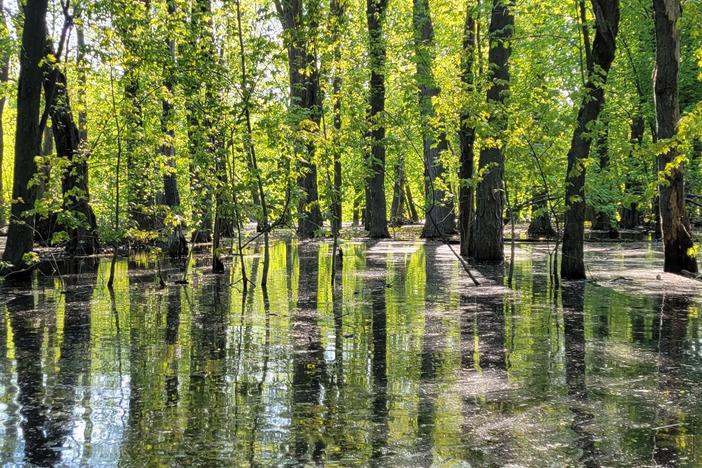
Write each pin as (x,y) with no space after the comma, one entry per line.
(130,75)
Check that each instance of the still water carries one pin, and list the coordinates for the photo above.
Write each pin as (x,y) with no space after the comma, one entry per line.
(402,363)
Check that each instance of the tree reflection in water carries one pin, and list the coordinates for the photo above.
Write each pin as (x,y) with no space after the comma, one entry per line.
(401,363)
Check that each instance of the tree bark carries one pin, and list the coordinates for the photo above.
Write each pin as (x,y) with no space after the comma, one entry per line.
(28,134)
(677,235)
(4,75)
(398,195)
(414,216)
(338,20)
(603,48)
(439,219)
(540,225)
(466,133)
(300,26)
(81,67)
(139,205)
(376,210)
(488,242)
(629,213)
(44,226)
(602,220)
(201,58)
(356,215)
(176,245)
(82,231)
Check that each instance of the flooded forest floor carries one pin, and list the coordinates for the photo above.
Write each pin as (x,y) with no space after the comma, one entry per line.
(402,362)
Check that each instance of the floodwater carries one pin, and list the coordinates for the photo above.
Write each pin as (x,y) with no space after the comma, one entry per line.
(402,363)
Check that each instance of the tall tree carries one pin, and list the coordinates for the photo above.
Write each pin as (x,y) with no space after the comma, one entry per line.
(466,131)
(250,147)
(376,210)
(338,19)
(132,24)
(28,134)
(300,22)
(603,49)
(200,59)
(397,206)
(177,244)
(677,235)
(488,243)
(4,75)
(439,218)
(78,218)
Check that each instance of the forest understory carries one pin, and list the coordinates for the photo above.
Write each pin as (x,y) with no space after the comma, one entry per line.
(375,232)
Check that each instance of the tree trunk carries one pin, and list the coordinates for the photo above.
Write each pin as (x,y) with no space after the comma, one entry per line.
(28,134)
(439,220)
(176,245)
(602,221)
(414,216)
(82,233)
(629,213)
(201,57)
(606,27)
(4,75)
(466,193)
(139,205)
(398,195)
(540,225)
(81,67)
(300,26)
(677,235)
(488,242)
(44,226)
(217,262)
(338,20)
(376,214)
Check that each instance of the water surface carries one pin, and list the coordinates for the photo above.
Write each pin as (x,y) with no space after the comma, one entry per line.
(402,363)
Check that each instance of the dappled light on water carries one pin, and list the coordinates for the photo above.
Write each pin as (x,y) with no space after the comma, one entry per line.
(404,362)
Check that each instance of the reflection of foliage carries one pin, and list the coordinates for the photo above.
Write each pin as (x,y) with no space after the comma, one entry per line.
(202,374)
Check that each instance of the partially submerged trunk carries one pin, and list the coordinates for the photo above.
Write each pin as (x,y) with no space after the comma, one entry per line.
(28,134)
(488,242)
(176,243)
(140,206)
(376,214)
(82,230)
(201,54)
(4,75)
(603,48)
(438,209)
(675,227)
(466,133)
(540,225)
(338,20)
(300,26)
(217,233)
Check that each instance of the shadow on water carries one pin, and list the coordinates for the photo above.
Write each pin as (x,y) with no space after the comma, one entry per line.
(401,362)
